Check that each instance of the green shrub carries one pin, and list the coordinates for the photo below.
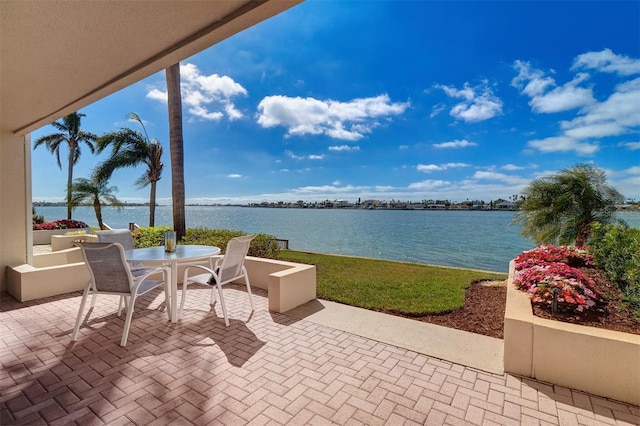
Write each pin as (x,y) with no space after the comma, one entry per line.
(262,245)
(150,237)
(616,250)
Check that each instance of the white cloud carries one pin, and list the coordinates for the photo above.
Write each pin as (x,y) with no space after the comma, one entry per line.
(511,167)
(534,84)
(564,98)
(627,181)
(333,188)
(455,144)
(346,148)
(564,144)
(293,156)
(157,95)
(617,115)
(428,168)
(633,146)
(437,109)
(479,103)
(607,61)
(339,120)
(429,185)
(501,177)
(206,97)
(234,176)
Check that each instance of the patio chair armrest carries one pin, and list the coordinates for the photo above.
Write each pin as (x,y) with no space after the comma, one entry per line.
(204,269)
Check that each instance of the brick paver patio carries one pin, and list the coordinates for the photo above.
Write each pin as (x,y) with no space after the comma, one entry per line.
(271,370)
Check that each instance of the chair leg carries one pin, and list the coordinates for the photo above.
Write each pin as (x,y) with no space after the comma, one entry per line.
(224,308)
(246,280)
(93,300)
(167,301)
(185,284)
(120,305)
(74,335)
(213,292)
(127,321)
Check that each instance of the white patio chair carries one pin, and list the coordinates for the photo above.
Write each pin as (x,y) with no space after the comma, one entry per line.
(125,239)
(221,271)
(110,274)
(120,236)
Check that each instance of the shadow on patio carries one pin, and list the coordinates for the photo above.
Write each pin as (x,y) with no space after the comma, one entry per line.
(265,368)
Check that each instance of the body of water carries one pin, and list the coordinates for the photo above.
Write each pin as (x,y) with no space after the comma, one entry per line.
(469,239)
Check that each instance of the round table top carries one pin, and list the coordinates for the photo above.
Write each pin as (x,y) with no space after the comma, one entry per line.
(183,253)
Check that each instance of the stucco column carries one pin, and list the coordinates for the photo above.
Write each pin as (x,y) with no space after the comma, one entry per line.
(15,202)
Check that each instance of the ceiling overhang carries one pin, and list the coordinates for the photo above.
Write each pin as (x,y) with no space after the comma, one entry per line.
(57,57)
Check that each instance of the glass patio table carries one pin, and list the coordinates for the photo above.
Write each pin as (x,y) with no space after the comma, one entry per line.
(154,256)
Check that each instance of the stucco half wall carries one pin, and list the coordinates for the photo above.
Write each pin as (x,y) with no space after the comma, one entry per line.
(593,360)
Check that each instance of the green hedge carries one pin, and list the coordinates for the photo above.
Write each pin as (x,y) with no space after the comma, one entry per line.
(616,249)
(262,245)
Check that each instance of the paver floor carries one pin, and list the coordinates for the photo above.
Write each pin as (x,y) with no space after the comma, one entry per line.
(264,369)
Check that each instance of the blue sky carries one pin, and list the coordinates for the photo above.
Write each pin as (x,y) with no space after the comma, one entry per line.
(387,100)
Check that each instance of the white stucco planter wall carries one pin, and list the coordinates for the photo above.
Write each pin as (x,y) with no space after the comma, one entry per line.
(44,236)
(598,361)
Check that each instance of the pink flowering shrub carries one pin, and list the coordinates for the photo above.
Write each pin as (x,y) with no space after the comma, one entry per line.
(572,256)
(543,270)
(59,224)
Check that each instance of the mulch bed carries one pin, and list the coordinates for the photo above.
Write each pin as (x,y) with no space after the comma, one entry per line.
(482,313)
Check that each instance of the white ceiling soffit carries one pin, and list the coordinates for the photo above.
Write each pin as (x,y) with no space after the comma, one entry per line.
(59,56)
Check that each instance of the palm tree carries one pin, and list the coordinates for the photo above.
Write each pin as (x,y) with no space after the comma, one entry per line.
(71,133)
(96,192)
(560,209)
(129,148)
(174,101)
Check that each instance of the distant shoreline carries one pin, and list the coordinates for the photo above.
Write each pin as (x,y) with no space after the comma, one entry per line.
(452,207)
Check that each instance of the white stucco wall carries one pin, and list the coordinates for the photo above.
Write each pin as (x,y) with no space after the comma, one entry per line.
(15,202)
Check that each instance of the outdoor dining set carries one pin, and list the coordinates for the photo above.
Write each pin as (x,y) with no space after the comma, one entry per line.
(116,267)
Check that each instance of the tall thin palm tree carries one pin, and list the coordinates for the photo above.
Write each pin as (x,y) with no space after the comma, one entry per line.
(176,147)
(69,132)
(97,192)
(130,148)
(560,209)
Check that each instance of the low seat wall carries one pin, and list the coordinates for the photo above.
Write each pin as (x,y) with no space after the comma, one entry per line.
(61,242)
(594,360)
(43,237)
(51,274)
(288,284)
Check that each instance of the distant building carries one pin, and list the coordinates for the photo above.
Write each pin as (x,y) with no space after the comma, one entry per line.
(505,205)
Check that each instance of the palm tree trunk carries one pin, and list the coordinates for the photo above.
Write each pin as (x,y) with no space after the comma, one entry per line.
(152,205)
(176,148)
(98,210)
(70,179)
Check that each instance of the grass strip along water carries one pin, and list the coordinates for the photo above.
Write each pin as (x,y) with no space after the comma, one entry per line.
(409,289)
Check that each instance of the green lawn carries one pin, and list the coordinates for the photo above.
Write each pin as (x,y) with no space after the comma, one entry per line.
(406,288)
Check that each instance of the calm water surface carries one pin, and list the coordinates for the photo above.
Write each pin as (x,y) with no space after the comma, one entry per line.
(470,239)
